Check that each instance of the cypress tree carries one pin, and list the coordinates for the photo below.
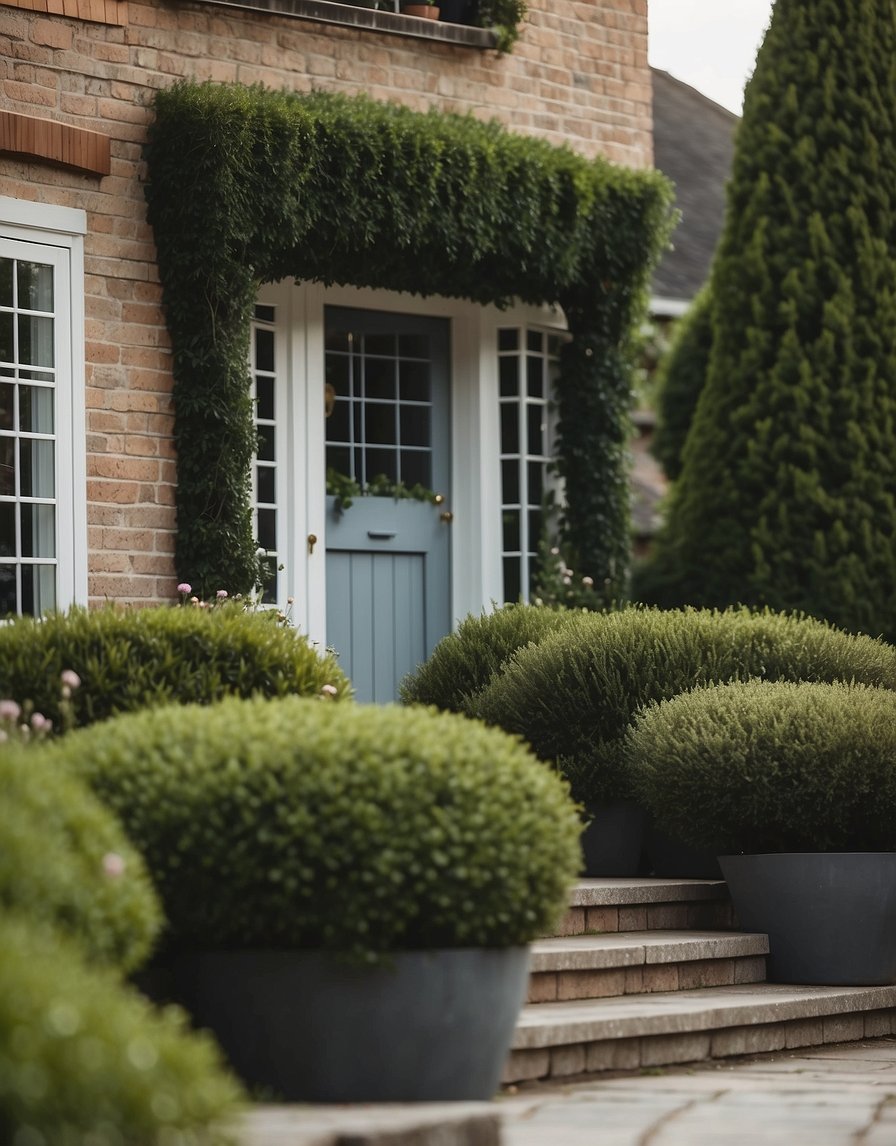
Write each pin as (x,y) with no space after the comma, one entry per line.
(787,494)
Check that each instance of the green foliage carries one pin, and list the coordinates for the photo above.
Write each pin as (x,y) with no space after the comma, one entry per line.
(573,695)
(86,1062)
(505,16)
(65,861)
(786,495)
(345,489)
(135,658)
(771,767)
(298,823)
(331,188)
(682,376)
(463,662)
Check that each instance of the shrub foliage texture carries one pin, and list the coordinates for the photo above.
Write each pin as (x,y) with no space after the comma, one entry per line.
(573,696)
(300,823)
(786,495)
(761,766)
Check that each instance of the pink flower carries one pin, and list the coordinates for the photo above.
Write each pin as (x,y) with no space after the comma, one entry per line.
(588,581)
(329,690)
(9,710)
(40,723)
(184,588)
(113,865)
(70,678)
(221,594)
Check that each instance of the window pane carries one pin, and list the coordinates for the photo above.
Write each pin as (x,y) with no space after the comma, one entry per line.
(416,468)
(338,423)
(511,578)
(415,426)
(379,379)
(510,428)
(265,484)
(510,519)
(337,374)
(509,377)
(7,529)
(35,410)
(38,588)
(337,339)
(413,346)
(7,353)
(8,601)
(7,467)
(380,425)
(266,443)
(7,393)
(535,418)
(508,338)
(264,350)
(339,459)
(510,482)
(35,287)
(37,474)
(383,344)
(534,528)
(536,482)
(267,528)
(6,266)
(38,525)
(35,340)
(381,463)
(534,341)
(264,313)
(415,384)
(264,394)
(535,376)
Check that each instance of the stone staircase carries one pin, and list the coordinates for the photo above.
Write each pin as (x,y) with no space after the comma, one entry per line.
(652,972)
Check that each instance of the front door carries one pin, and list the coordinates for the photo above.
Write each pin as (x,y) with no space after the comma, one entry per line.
(387,380)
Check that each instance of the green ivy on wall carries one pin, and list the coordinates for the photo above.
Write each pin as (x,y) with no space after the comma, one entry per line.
(247,186)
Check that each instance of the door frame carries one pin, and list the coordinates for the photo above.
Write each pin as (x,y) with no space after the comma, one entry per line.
(475,497)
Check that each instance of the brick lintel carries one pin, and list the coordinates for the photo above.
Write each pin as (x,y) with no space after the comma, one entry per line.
(56,143)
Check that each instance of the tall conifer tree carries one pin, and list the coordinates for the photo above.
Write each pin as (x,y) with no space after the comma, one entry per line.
(787,494)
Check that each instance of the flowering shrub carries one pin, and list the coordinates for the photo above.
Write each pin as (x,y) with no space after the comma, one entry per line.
(358,828)
(20,723)
(128,659)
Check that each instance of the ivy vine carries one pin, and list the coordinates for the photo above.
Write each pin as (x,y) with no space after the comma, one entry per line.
(247,186)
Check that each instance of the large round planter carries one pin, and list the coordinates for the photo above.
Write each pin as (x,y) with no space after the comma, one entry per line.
(611,843)
(668,858)
(424,1026)
(830,917)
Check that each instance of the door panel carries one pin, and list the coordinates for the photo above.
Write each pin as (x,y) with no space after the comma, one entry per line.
(388,557)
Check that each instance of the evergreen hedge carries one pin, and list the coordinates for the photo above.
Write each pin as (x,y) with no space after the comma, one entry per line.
(463,662)
(786,495)
(247,186)
(135,658)
(758,767)
(66,861)
(295,823)
(573,696)
(84,1061)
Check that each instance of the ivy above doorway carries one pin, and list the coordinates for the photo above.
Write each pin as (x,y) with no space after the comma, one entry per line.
(247,185)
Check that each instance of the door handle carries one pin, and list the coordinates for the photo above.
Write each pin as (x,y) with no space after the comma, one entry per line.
(447,516)
(378,535)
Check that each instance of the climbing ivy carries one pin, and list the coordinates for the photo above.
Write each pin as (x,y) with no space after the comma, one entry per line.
(247,186)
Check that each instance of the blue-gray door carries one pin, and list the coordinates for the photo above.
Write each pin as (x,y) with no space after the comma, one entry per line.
(388,557)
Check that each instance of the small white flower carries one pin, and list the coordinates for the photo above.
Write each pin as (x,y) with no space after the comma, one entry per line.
(9,710)
(588,581)
(113,865)
(221,594)
(329,690)
(70,678)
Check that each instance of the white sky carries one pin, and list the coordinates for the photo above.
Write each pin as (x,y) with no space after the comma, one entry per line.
(709,44)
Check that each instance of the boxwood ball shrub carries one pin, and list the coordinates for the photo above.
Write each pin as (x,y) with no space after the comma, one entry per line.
(66,861)
(574,695)
(133,658)
(84,1061)
(463,662)
(762,766)
(297,823)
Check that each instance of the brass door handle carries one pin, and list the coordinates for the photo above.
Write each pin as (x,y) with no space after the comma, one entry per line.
(312,541)
(447,516)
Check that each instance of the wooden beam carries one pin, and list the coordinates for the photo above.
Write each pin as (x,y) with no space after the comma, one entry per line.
(56,143)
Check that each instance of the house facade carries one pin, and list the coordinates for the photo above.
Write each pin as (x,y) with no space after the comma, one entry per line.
(355,388)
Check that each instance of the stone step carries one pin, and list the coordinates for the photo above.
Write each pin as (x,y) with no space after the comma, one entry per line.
(563,1039)
(600,905)
(642,962)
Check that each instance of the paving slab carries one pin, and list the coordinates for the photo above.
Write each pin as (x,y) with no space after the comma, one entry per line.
(610,892)
(413,1124)
(641,948)
(834,1096)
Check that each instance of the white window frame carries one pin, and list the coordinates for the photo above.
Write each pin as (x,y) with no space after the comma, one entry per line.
(59,231)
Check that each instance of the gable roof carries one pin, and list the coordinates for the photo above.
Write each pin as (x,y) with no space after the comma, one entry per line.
(693,141)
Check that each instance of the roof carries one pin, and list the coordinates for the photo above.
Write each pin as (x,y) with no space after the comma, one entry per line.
(693,141)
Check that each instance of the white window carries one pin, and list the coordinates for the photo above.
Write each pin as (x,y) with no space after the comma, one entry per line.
(527,366)
(42,485)
(264,468)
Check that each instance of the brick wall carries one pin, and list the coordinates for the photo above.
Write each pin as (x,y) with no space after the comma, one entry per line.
(577,75)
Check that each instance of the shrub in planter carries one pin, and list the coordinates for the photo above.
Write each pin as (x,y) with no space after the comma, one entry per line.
(463,662)
(85,1061)
(573,696)
(782,771)
(362,831)
(65,860)
(134,658)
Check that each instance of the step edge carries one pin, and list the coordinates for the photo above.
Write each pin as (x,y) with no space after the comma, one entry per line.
(578,955)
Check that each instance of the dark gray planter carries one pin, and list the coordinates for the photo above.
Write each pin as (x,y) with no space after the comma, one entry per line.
(428,1026)
(830,917)
(671,859)
(611,843)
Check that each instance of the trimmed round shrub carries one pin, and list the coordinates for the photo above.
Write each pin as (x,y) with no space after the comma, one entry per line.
(573,696)
(296,823)
(129,659)
(761,766)
(65,860)
(85,1061)
(463,662)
